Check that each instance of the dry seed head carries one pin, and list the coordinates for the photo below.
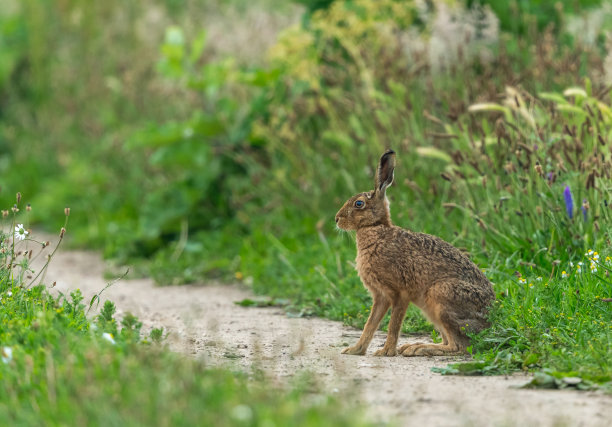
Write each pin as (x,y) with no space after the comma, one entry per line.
(18,197)
(578,146)
(5,213)
(457,157)
(561,166)
(500,129)
(590,110)
(15,209)
(590,182)
(446,176)
(538,169)
(509,167)
(67,211)
(601,140)
(28,208)
(62,232)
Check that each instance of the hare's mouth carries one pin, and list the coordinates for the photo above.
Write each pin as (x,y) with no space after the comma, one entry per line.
(340,223)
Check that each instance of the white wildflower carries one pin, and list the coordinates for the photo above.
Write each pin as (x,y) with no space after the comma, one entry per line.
(187,133)
(242,413)
(20,232)
(7,354)
(108,337)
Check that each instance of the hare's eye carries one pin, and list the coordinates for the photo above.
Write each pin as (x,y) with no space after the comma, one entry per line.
(359,203)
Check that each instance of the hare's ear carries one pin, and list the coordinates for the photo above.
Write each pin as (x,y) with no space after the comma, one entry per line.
(384,174)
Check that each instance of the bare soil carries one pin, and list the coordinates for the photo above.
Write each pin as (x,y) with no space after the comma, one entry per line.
(203,321)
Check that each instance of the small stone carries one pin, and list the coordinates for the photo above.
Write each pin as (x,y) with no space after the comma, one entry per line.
(572,380)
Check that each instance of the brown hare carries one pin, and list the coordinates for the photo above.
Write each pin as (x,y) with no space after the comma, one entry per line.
(400,267)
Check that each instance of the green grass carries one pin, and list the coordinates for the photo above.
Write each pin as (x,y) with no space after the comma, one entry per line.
(60,367)
(560,321)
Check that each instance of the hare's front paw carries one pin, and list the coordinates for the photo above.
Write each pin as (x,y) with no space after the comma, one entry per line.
(389,352)
(355,350)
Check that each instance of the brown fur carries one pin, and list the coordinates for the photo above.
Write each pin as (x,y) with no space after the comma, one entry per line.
(400,267)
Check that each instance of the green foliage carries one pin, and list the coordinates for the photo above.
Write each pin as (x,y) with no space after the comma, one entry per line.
(155,388)
(314,5)
(521,16)
(545,146)
(59,367)
(189,161)
(72,93)
(156,335)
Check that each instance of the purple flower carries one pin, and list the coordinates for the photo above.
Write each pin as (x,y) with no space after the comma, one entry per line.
(569,201)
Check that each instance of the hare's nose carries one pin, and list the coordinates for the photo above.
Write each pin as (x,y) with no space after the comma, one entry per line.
(337,219)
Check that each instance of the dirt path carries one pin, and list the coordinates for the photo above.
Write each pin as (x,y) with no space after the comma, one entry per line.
(203,321)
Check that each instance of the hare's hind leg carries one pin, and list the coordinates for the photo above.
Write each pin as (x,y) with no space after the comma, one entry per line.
(379,308)
(448,315)
(403,348)
(454,342)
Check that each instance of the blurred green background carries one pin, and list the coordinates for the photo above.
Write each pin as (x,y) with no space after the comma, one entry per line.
(216,140)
